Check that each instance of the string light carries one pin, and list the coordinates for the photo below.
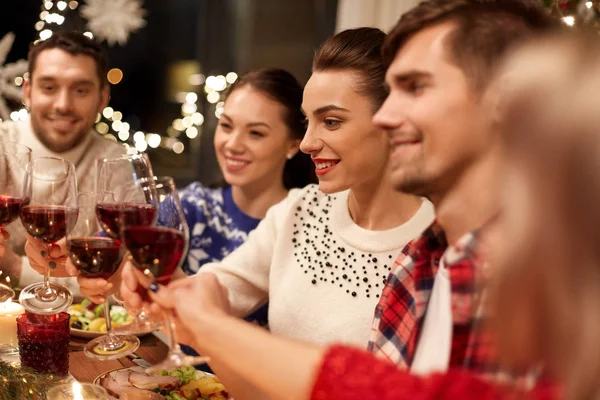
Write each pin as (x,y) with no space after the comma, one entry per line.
(110,123)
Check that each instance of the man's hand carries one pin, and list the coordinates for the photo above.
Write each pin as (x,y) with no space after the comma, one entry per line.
(97,289)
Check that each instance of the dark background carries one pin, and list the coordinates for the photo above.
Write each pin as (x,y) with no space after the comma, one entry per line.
(221,35)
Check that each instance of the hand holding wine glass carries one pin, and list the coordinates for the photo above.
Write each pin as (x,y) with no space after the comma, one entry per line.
(97,256)
(122,200)
(14,158)
(158,251)
(51,211)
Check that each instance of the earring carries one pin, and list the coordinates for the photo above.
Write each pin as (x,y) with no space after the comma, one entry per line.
(290,156)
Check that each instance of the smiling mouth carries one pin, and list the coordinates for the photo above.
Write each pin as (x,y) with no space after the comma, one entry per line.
(234,164)
(324,166)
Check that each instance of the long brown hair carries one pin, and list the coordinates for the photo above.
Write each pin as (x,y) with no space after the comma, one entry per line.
(549,122)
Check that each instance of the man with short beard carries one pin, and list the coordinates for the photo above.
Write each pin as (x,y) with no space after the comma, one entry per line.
(66,90)
(441,57)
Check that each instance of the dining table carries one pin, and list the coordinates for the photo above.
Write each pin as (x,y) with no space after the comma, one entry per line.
(84,369)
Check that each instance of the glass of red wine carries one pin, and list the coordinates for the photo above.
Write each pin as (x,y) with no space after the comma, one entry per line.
(121,199)
(157,251)
(50,213)
(98,256)
(14,158)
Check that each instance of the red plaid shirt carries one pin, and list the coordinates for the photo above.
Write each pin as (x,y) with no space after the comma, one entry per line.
(400,313)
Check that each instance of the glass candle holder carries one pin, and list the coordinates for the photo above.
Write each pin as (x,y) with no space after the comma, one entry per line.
(44,342)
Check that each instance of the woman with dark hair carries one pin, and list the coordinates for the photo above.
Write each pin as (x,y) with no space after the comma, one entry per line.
(320,256)
(256,143)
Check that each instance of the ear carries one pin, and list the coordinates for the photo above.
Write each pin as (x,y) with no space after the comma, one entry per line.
(27,93)
(293,148)
(104,96)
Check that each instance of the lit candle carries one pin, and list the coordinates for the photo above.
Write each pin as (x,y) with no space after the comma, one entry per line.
(9,311)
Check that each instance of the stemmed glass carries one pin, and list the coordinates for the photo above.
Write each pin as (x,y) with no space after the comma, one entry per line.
(14,158)
(51,188)
(157,251)
(120,199)
(97,256)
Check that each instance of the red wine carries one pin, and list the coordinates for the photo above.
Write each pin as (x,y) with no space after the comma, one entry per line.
(95,257)
(10,208)
(48,223)
(110,214)
(156,249)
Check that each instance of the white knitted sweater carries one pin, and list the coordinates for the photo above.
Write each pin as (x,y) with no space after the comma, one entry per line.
(321,273)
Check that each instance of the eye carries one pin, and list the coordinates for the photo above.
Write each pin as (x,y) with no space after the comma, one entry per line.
(305,123)
(48,88)
(414,87)
(82,91)
(331,123)
(225,126)
(257,134)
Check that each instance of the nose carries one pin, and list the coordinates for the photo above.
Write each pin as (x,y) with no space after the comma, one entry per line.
(389,116)
(63,102)
(235,142)
(310,144)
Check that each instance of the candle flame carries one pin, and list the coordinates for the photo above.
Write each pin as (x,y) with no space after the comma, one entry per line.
(77,395)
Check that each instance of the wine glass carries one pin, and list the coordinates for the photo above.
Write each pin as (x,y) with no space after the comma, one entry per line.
(158,250)
(120,199)
(14,158)
(97,256)
(51,212)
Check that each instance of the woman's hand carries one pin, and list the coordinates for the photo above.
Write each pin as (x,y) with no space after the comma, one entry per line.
(42,256)
(191,299)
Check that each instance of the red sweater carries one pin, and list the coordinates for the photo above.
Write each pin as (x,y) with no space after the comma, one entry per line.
(348,374)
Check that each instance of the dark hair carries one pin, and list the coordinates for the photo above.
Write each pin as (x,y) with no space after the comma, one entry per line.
(485,30)
(282,87)
(75,43)
(356,50)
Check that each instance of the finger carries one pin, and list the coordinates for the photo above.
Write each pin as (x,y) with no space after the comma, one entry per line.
(36,259)
(129,277)
(94,286)
(38,244)
(70,268)
(132,300)
(57,263)
(97,299)
(56,251)
(162,296)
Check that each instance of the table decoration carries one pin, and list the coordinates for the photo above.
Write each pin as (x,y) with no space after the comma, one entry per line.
(9,311)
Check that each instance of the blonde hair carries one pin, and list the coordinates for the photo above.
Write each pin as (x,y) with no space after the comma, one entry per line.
(550,124)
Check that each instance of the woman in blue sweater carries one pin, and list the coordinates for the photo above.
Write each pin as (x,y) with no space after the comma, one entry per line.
(256,143)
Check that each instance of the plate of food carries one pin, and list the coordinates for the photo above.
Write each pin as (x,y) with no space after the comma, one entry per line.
(88,320)
(184,383)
